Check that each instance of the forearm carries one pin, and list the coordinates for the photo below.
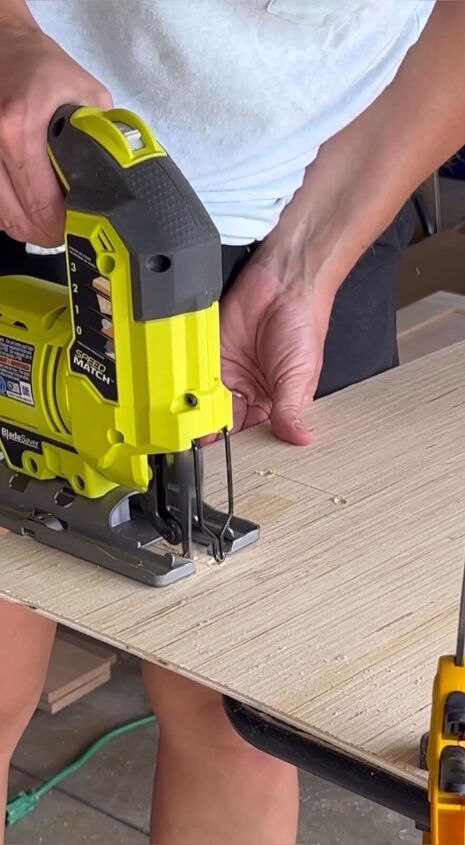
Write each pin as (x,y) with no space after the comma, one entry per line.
(15,11)
(364,175)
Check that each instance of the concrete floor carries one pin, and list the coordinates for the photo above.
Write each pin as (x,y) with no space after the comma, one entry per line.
(108,800)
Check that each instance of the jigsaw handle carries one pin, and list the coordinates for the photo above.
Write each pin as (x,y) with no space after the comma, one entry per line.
(144,270)
(110,164)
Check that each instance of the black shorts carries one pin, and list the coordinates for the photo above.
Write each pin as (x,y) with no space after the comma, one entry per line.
(361,340)
(362,335)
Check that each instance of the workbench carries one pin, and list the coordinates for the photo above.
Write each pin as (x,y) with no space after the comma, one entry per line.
(324,636)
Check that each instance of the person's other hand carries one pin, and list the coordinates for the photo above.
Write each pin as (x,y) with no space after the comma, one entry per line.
(272,340)
(36,78)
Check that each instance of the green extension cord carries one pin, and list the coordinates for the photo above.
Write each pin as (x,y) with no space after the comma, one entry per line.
(25,802)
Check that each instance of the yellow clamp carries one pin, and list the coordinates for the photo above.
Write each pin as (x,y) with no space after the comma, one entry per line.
(446,756)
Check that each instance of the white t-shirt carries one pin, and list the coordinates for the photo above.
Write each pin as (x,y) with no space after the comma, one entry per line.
(241,93)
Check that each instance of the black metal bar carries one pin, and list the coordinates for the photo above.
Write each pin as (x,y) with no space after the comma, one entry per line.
(322,759)
(227,522)
(460,648)
(203,527)
(185,502)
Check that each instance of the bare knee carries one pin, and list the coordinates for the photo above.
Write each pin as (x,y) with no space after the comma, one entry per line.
(192,718)
(26,640)
(183,706)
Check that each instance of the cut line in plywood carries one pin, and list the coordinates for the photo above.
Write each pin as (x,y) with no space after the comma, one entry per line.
(335,619)
(430,324)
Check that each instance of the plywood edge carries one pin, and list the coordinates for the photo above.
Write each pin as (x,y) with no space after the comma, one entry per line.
(412,774)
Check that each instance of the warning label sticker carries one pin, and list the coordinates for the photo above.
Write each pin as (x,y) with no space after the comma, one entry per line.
(16,360)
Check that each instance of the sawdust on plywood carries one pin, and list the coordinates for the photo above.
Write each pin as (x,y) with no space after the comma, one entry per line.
(339,500)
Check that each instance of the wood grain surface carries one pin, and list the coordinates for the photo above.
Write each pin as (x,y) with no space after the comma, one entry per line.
(334,621)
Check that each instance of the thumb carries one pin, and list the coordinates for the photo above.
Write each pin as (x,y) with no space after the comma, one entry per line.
(286,421)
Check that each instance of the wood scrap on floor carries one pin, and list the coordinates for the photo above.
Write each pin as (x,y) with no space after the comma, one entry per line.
(77,666)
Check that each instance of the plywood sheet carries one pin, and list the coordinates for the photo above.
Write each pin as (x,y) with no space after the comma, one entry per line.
(334,621)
